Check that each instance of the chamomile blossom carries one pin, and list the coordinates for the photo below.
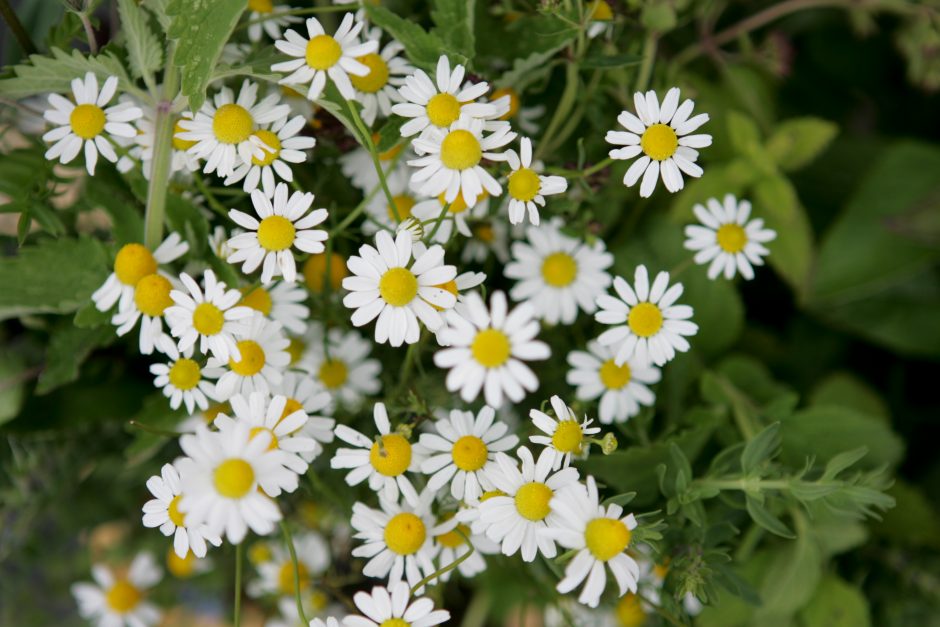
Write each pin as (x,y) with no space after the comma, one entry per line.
(528,188)
(184,380)
(601,20)
(281,144)
(647,321)
(378,90)
(86,124)
(343,367)
(488,237)
(394,607)
(486,350)
(266,17)
(277,575)
(282,302)
(388,215)
(150,303)
(558,275)
(180,158)
(284,224)
(661,133)
(263,358)
(134,262)
(519,115)
(727,239)
(319,56)
(622,389)
(163,511)
(303,394)
(456,215)
(116,599)
(564,436)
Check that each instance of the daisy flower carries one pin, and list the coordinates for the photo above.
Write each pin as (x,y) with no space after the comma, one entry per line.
(431,106)
(393,607)
(314,602)
(488,237)
(279,145)
(183,379)
(163,511)
(277,575)
(180,160)
(387,286)
(599,535)
(321,55)
(358,167)
(383,461)
(661,134)
(151,300)
(452,545)
(461,452)
(381,214)
(209,315)
(282,302)
(321,270)
(223,129)
(265,16)
(451,161)
(528,188)
(649,323)
(132,263)
(284,224)
(564,435)
(558,274)
(486,350)
(263,358)
(115,600)
(601,19)
(303,394)
(87,123)
(378,90)
(188,565)
(517,517)
(622,389)
(457,215)
(727,239)
(341,365)
(523,117)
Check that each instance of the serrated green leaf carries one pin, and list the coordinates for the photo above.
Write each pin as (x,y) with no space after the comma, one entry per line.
(762,447)
(44,74)
(454,23)
(158,9)
(423,48)
(796,142)
(762,516)
(68,348)
(143,49)
(526,70)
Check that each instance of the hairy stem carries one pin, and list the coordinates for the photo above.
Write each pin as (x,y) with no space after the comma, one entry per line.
(89,31)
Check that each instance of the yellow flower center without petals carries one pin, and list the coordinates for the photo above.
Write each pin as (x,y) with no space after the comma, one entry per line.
(491,348)
(405,533)
(173,511)
(134,262)
(513,101)
(460,150)
(323,52)
(376,79)
(87,120)
(524,184)
(185,374)
(152,295)
(394,622)
(568,437)
(276,233)
(484,233)
(233,478)
(180,567)
(256,430)
(469,453)
(731,238)
(600,11)
(614,377)
(398,287)
(333,373)
(260,6)
(258,299)
(645,319)
(296,350)
(252,360)
(286,583)
(403,204)
(315,271)
(559,269)
(123,596)
(452,539)
(606,538)
(629,611)
(232,124)
(270,140)
(659,142)
(392,457)
(181,144)
(443,109)
(208,319)
(532,501)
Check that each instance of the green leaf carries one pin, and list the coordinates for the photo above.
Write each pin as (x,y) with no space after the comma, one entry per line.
(390,134)
(454,24)
(762,447)
(620,499)
(89,317)
(44,74)
(791,253)
(110,193)
(526,70)
(796,142)
(836,604)
(423,48)
(762,516)
(826,431)
(12,384)
(68,348)
(789,582)
(158,8)
(747,142)
(143,48)
(185,218)
(608,61)
(844,388)
(912,522)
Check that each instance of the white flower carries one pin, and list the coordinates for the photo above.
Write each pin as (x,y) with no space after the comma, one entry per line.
(527,188)
(151,300)
(180,160)
(381,215)
(163,511)
(385,287)
(183,379)
(277,575)
(391,607)
(321,55)
(486,349)
(599,535)
(558,274)
(601,20)
(661,133)
(462,451)
(282,302)
(507,98)
(488,237)
(265,15)
(280,145)
(727,239)
(132,263)
(378,89)
(564,435)
(304,395)
(284,224)
(456,215)
(340,364)
(651,325)
(358,167)
(263,358)
(117,600)
(87,122)
(516,517)
(622,389)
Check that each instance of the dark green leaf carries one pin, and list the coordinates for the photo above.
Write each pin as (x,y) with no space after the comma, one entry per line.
(69,346)
(423,48)
(791,253)
(762,516)
(824,432)
(836,604)
(762,447)
(609,61)
(44,74)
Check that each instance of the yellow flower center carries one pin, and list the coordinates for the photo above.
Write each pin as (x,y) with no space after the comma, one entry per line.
(513,101)
(393,457)
(258,299)
(405,533)
(296,350)
(443,109)
(600,11)
(185,374)
(452,539)
(260,6)
(180,567)
(395,622)
(232,124)
(208,319)
(376,79)
(524,184)
(659,142)
(403,204)
(491,348)
(259,553)
(629,612)
(613,376)
(484,233)
(87,120)
(661,570)
(568,437)
(123,596)
(469,453)
(645,319)
(252,360)
(532,501)
(559,269)
(273,142)
(276,233)
(459,205)
(490,494)
(315,271)
(233,478)
(152,295)
(606,537)
(286,583)
(173,511)
(323,52)
(333,373)
(731,238)
(290,406)
(460,150)
(181,144)
(398,287)
(134,262)
(256,430)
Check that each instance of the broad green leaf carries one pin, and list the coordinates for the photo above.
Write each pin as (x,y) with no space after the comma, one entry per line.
(761,448)
(454,24)
(912,522)
(789,582)
(143,49)
(836,604)
(423,48)
(791,253)
(762,516)
(844,388)
(68,348)
(13,378)
(796,142)
(45,74)
(825,431)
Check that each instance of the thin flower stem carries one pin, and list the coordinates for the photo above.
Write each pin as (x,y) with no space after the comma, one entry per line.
(370,146)
(16,27)
(446,569)
(439,221)
(289,541)
(214,203)
(568,98)
(89,31)
(162,154)
(237,611)
(646,65)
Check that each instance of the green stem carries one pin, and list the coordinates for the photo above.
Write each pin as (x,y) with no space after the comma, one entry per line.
(16,27)
(89,31)
(214,203)
(646,66)
(154,430)
(457,562)
(439,221)
(370,146)
(162,154)
(568,97)
(293,558)
(236,613)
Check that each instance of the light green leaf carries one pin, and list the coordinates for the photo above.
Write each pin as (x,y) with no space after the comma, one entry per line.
(836,604)
(158,8)
(762,447)
(454,24)
(826,431)
(791,254)
(762,516)
(423,48)
(527,69)
(797,142)
(12,383)
(790,581)
(143,48)
(44,74)
(68,348)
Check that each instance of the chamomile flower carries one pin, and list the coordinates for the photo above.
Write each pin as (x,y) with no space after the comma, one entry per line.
(340,363)
(600,535)
(321,55)
(727,239)
(488,237)
(523,117)
(358,167)
(116,600)
(388,286)
(393,607)
(282,302)
(86,123)
(438,106)
(378,90)
(459,287)
(601,18)
(322,270)
(622,389)
(661,134)
(517,517)
(267,17)
(263,358)
(451,161)
(132,263)
(303,394)
(277,575)
(382,213)
(456,215)
(279,145)
(452,545)
(486,350)
(314,602)
(284,224)
(558,274)
(383,460)
(564,435)
(163,511)
(180,158)
(648,322)
(218,242)
(184,380)
(528,188)
(462,450)
(151,300)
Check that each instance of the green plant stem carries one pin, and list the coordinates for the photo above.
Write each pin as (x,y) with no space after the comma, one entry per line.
(89,31)
(446,569)
(289,541)
(16,27)
(237,611)
(214,203)
(568,97)
(439,221)
(162,154)
(646,65)
(370,146)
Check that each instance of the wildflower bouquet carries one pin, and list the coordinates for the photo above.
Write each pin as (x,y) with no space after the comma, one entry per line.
(400,314)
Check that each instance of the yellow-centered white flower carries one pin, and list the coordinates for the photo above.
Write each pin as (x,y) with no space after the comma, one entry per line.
(116,598)
(564,435)
(279,145)
(727,239)
(163,511)
(261,362)
(622,389)
(183,379)
(394,607)
(527,187)
(346,372)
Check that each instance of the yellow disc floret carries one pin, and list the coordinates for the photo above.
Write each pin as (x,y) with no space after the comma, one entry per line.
(405,533)
(731,238)
(173,511)
(323,52)
(491,348)
(232,124)
(287,581)
(469,453)
(134,262)
(513,101)
(606,538)
(659,142)
(392,456)
(376,79)
(333,373)
(185,374)
(152,295)
(524,184)
(276,233)
(645,319)
(559,269)
(296,350)
(403,204)
(123,596)
(630,612)
(208,319)
(272,444)
(273,142)
(181,567)
(394,622)
(614,377)
(600,11)
(178,143)
(315,271)
(290,406)
(532,501)
(452,539)
(443,110)
(233,478)
(252,360)
(568,437)
(87,120)
(258,299)
(398,287)
(260,6)
(460,150)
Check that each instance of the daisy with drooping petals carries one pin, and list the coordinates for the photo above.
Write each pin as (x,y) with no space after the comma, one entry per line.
(558,274)
(321,55)
(599,535)
(282,302)
(564,435)
(277,575)
(649,323)
(87,123)
(284,224)
(132,263)
(727,239)
(163,511)
(278,146)
(528,188)
(387,286)
(268,17)
(517,517)
(486,350)
(183,379)
(455,215)
(393,607)
(622,389)
(462,450)
(661,134)
(378,89)
(304,395)
(342,366)
(116,600)
(150,302)
(263,357)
